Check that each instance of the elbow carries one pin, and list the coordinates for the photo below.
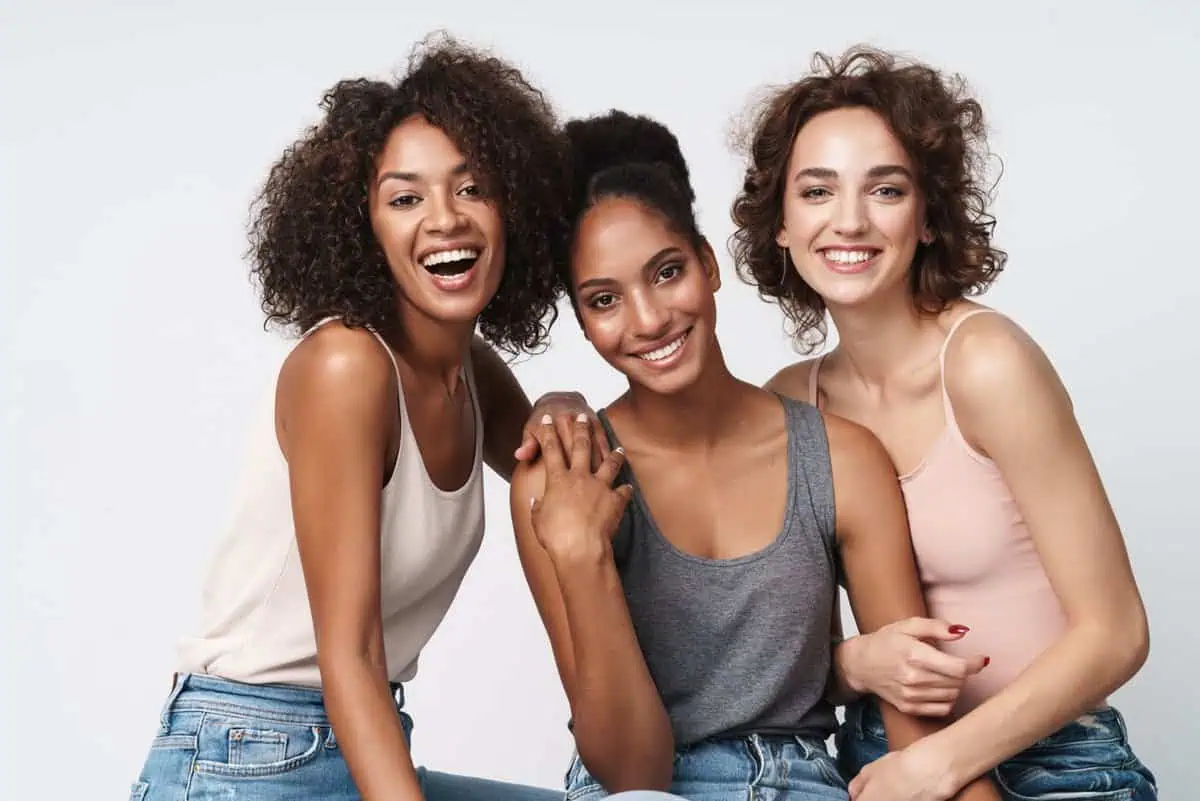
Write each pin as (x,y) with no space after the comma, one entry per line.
(621,763)
(1135,645)
(1122,646)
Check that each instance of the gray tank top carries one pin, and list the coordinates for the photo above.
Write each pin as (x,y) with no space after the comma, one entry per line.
(741,646)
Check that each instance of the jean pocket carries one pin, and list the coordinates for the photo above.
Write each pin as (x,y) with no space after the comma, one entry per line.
(816,755)
(256,748)
(138,791)
(579,783)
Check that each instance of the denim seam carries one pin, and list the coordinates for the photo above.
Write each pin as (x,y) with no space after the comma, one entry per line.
(754,746)
(257,713)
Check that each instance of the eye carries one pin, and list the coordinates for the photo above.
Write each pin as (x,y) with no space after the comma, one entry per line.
(601,301)
(401,201)
(471,190)
(816,193)
(669,271)
(891,192)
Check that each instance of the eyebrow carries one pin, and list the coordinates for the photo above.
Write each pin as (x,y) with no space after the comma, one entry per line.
(881,171)
(394,175)
(653,261)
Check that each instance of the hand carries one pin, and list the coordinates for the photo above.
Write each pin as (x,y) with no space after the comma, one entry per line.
(911,774)
(579,510)
(563,408)
(898,664)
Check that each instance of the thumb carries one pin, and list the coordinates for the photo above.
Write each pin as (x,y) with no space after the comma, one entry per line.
(926,628)
(527,449)
(625,493)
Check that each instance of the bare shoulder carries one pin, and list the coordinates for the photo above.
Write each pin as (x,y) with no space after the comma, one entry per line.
(854,450)
(792,380)
(337,359)
(992,360)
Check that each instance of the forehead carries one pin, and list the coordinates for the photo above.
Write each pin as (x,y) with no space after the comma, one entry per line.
(847,140)
(418,146)
(618,236)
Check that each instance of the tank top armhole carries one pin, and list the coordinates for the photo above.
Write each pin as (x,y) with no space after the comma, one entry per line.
(947,406)
(814,464)
(622,540)
(813,388)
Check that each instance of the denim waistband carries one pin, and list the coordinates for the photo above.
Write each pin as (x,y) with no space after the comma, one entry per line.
(205,693)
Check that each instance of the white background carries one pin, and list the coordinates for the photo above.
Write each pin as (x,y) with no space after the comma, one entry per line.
(131,348)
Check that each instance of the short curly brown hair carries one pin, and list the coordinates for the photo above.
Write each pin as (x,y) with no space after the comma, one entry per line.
(313,250)
(942,130)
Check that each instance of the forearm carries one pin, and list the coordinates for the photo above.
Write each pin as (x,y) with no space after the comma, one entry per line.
(841,689)
(363,712)
(1067,680)
(621,727)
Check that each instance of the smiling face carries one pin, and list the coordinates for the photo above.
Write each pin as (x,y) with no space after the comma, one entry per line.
(645,295)
(852,212)
(443,240)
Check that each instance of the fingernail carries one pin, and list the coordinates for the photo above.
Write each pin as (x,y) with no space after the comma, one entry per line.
(532,501)
(957,629)
(619,450)
(546,420)
(581,418)
(987,660)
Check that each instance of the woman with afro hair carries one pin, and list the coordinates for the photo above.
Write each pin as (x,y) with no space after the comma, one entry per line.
(411,215)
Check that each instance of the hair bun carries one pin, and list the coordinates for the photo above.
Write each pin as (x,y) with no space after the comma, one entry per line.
(618,139)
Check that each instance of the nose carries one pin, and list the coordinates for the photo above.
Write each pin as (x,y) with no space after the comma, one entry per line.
(851,216)
(442,215)
(650,320)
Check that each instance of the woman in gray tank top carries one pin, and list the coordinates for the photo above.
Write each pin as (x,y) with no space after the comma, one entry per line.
(691,608)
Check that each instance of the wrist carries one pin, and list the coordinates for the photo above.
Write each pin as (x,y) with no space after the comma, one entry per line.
(580,555)
(943,761)
(845,663)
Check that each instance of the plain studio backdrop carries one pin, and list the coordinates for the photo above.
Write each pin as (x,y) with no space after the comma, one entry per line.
(132,347)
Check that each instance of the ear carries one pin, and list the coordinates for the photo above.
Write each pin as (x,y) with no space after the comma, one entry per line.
(781,237)
(708,258)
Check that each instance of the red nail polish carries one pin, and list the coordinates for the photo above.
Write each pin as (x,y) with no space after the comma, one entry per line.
(957,629)
(987,660)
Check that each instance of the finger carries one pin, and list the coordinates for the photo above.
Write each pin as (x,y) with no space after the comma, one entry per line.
(551,446)
(528,448)
(610,467)
(926,657)
(581,444)
(857,784)
(600,445)
(931,710)
(927,628)
(625,493)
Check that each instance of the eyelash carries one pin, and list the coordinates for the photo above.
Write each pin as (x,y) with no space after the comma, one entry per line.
(400,201)
(595,301)
(811,194)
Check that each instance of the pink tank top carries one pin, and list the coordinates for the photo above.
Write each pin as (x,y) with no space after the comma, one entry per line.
(977,563)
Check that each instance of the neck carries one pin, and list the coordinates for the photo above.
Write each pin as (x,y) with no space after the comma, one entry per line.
(698,416)
(431,349)
(880,341)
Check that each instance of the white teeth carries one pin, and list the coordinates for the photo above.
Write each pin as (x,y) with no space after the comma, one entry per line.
(848,256)
(664,351)
(443,256)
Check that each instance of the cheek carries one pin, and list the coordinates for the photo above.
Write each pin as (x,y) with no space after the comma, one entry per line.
(603,331)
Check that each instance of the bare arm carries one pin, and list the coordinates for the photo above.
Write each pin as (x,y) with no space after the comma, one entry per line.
(898,661)
(881,570)
(335,408)
(509,420)
(620,725)
(1011,405)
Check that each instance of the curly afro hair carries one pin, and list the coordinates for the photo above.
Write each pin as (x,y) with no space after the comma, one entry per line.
(617,154)
(313,250)
(941,129)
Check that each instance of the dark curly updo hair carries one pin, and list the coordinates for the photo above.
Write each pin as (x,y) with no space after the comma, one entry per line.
(942,130)
(313,250)
(622,155)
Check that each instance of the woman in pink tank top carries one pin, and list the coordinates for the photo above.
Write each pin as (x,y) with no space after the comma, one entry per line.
(863,199)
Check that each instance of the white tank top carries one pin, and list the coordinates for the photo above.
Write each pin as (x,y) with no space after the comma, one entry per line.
(256,625)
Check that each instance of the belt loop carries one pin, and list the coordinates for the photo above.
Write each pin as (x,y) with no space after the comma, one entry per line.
(164,720)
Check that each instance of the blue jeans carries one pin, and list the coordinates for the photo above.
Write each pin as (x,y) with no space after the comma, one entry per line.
(219,739)
(758,766)
(1087,760)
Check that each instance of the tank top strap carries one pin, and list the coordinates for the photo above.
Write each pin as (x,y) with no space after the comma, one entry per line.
(813,372)
(947,406)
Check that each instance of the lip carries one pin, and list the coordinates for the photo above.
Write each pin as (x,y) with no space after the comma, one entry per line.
(668,361)
(849,269)
(444,246)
